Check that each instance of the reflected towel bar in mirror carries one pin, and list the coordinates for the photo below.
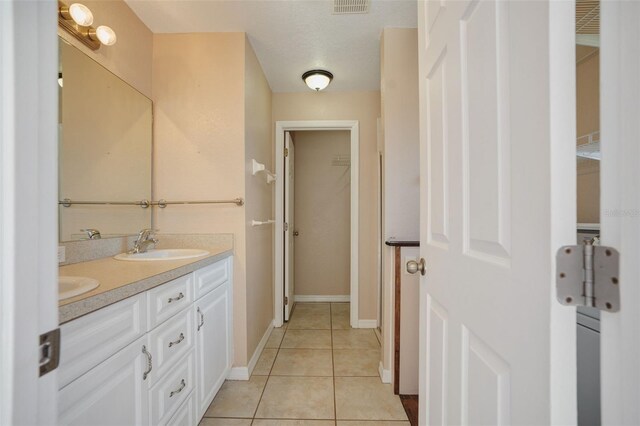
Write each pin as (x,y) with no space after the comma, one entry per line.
(146,203)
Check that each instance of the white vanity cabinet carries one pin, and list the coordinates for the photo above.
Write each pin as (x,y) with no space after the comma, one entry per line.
(156,358)
(214,349)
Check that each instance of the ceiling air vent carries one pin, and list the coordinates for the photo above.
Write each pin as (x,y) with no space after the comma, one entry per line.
(342,7)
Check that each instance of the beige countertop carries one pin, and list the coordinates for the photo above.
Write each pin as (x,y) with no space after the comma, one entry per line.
(122,279)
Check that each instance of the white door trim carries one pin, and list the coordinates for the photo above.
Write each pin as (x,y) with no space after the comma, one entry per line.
(281,128)
(28,207)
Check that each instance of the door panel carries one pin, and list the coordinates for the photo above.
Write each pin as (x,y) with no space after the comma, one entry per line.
(620,206)
(289,285)
(489,173)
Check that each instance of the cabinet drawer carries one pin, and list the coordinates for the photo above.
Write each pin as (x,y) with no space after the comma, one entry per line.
(169,342)
(172,390)
(186,414)
(211,277)
(91,339)
(168,299)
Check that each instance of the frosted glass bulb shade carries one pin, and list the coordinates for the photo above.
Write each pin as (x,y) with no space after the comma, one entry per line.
(81,14)
(106,35)
(317,79)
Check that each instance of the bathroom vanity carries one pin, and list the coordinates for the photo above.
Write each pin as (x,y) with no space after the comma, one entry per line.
(156,357)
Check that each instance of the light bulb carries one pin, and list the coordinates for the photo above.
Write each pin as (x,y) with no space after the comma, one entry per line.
(81,14)
(106,35)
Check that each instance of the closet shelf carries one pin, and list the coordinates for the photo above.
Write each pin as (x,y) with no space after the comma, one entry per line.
(589,146)
(259,167)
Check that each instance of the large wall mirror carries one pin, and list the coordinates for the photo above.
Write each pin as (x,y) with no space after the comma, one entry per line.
(105,150)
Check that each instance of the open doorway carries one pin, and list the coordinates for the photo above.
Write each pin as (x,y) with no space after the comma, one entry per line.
(317,276)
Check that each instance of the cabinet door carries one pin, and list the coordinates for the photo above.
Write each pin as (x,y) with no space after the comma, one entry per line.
(112,393)
(213,344)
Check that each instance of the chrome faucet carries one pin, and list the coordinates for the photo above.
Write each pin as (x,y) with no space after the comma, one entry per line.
(93,234)
(143,241)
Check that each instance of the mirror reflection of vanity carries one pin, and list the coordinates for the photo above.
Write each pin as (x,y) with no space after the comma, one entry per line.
(105,150)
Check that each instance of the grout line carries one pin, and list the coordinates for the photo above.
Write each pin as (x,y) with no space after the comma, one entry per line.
(333,369)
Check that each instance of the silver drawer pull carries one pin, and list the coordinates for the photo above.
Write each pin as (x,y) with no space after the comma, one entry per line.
(174,299)
(183,384)
(201,319)
(149,363)
(180,339)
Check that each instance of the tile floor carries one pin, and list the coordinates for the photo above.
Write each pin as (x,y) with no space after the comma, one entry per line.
(314,371)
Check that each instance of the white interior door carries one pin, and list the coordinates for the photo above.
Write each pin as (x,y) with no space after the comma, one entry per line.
(497,100)
(28,208)
(620,206)
(289,227)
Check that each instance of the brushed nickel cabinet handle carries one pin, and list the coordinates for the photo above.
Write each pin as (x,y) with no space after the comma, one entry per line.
(183,384)
(180,339)
(149,362)
(178,297)
(201,319)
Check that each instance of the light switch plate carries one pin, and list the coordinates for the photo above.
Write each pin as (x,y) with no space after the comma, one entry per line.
(62,255)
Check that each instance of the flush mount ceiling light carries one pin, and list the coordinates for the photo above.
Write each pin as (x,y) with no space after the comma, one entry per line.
(77,20)
(317,79)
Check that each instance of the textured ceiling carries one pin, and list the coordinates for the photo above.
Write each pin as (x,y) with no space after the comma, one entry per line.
(292,36)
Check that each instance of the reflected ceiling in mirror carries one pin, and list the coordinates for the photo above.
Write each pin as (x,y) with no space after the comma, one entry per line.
(105,149)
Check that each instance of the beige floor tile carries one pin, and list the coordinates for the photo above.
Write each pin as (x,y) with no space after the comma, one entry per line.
(275,338)
(310,320)
(280,422)
(370,423)
(317,307)
(297,398)
(209,421)
(237,398)
(307,339)
(340,307)
(366,398)
(356,362)
(265,362)
(355,339)
(340,320)
(303,362)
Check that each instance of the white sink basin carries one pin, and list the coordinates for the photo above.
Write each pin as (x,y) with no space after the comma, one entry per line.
(74,286)
(162,254)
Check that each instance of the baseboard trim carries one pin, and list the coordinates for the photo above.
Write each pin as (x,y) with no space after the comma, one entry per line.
(319,298)
(367,323)
(244,373)
(385,375)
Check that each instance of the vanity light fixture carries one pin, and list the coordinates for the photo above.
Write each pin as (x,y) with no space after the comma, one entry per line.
(77,20)
(317,79)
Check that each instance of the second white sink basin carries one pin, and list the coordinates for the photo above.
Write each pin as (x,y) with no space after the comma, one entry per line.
(74,286)
(162,254)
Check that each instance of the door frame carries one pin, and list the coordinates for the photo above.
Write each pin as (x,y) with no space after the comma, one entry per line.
(309,125)
(28,207)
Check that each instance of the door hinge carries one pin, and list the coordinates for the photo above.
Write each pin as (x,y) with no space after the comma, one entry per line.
(49,351)
(588,275)
(286,300)
(286,152)
(286,227)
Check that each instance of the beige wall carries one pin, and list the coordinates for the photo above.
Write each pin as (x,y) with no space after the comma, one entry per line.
(401,171)
(322,213)
(259,200)
(401,132)
(364,107)
(198,91)
(588,121)
(131,57)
